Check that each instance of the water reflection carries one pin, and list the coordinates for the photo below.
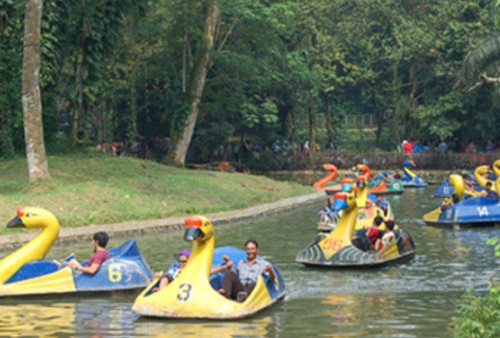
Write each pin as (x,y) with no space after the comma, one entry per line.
(261,325)
(25,319)
(413,299)
(77,316)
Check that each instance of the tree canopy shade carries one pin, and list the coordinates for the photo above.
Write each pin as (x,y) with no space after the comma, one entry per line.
(192,76)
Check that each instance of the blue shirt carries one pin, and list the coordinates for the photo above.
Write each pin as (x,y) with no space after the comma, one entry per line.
(383,204)
(492,194)
(172,272)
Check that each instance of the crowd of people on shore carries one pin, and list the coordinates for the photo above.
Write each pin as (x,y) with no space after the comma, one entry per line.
(158,148)
(454,146)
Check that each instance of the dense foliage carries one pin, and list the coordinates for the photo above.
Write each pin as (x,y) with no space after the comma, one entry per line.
(118,71)
(480,315)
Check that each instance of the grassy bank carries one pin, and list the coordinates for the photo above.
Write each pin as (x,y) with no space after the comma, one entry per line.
(97,189)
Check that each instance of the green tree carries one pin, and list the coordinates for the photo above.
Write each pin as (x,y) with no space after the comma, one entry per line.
(11,119)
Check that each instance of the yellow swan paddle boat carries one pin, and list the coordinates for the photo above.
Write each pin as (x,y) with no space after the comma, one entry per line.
(341,249)
(193,293)
(25,272)
(367,209)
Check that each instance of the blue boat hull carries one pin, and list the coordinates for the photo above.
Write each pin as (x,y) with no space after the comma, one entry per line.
(125,269)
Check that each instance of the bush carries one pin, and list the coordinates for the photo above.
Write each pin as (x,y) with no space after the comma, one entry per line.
(480,315)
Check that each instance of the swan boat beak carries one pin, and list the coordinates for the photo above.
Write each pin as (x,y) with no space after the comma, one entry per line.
(193,233)
(16,222)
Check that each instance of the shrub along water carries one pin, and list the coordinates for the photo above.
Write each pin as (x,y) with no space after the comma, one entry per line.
(479,316)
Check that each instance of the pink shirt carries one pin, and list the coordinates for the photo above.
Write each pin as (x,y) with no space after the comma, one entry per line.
(99,257)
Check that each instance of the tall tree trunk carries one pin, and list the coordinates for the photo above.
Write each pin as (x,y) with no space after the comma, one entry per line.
(378,117)
(197,83)
(411,101)
(290,124)
(32,105)
(77,111)
(132,132)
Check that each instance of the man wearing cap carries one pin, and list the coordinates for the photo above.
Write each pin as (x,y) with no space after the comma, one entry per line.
(182,258)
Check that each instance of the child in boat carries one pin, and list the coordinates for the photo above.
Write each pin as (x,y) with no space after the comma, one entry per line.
(487,192)
(326,214)
(383,204)
(99,242)
(175,269)
(453,199)
(388,236)
(373,232)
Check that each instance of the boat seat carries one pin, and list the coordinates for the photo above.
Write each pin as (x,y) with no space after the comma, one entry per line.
(358,243)
(128,249)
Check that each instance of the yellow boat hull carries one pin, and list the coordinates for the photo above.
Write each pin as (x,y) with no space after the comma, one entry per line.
(58,282)
(191,295)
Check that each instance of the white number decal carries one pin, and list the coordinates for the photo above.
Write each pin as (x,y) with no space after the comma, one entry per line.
(483,211)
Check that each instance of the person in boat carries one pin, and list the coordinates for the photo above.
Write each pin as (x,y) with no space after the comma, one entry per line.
(453,199)
(468,182)
(99,242)
(326,214)
(169,276)
(385,178)
(488,192)
(397,175)
(182,258)
(373,232)
(388,236)
(383,204)
(239,282)
(370,234)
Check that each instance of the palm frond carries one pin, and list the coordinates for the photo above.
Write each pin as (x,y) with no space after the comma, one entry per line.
(486,53)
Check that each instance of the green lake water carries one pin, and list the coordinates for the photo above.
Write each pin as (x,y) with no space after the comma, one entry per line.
(415,299)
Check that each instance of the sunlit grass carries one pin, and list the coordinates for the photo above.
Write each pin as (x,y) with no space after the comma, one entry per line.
(98,189)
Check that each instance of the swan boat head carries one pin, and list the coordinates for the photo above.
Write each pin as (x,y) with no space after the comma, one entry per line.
(30,218)
(332,173)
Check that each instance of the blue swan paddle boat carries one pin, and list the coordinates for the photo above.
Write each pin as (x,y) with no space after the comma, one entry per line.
(26,272)
(471,212)
(411,180)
